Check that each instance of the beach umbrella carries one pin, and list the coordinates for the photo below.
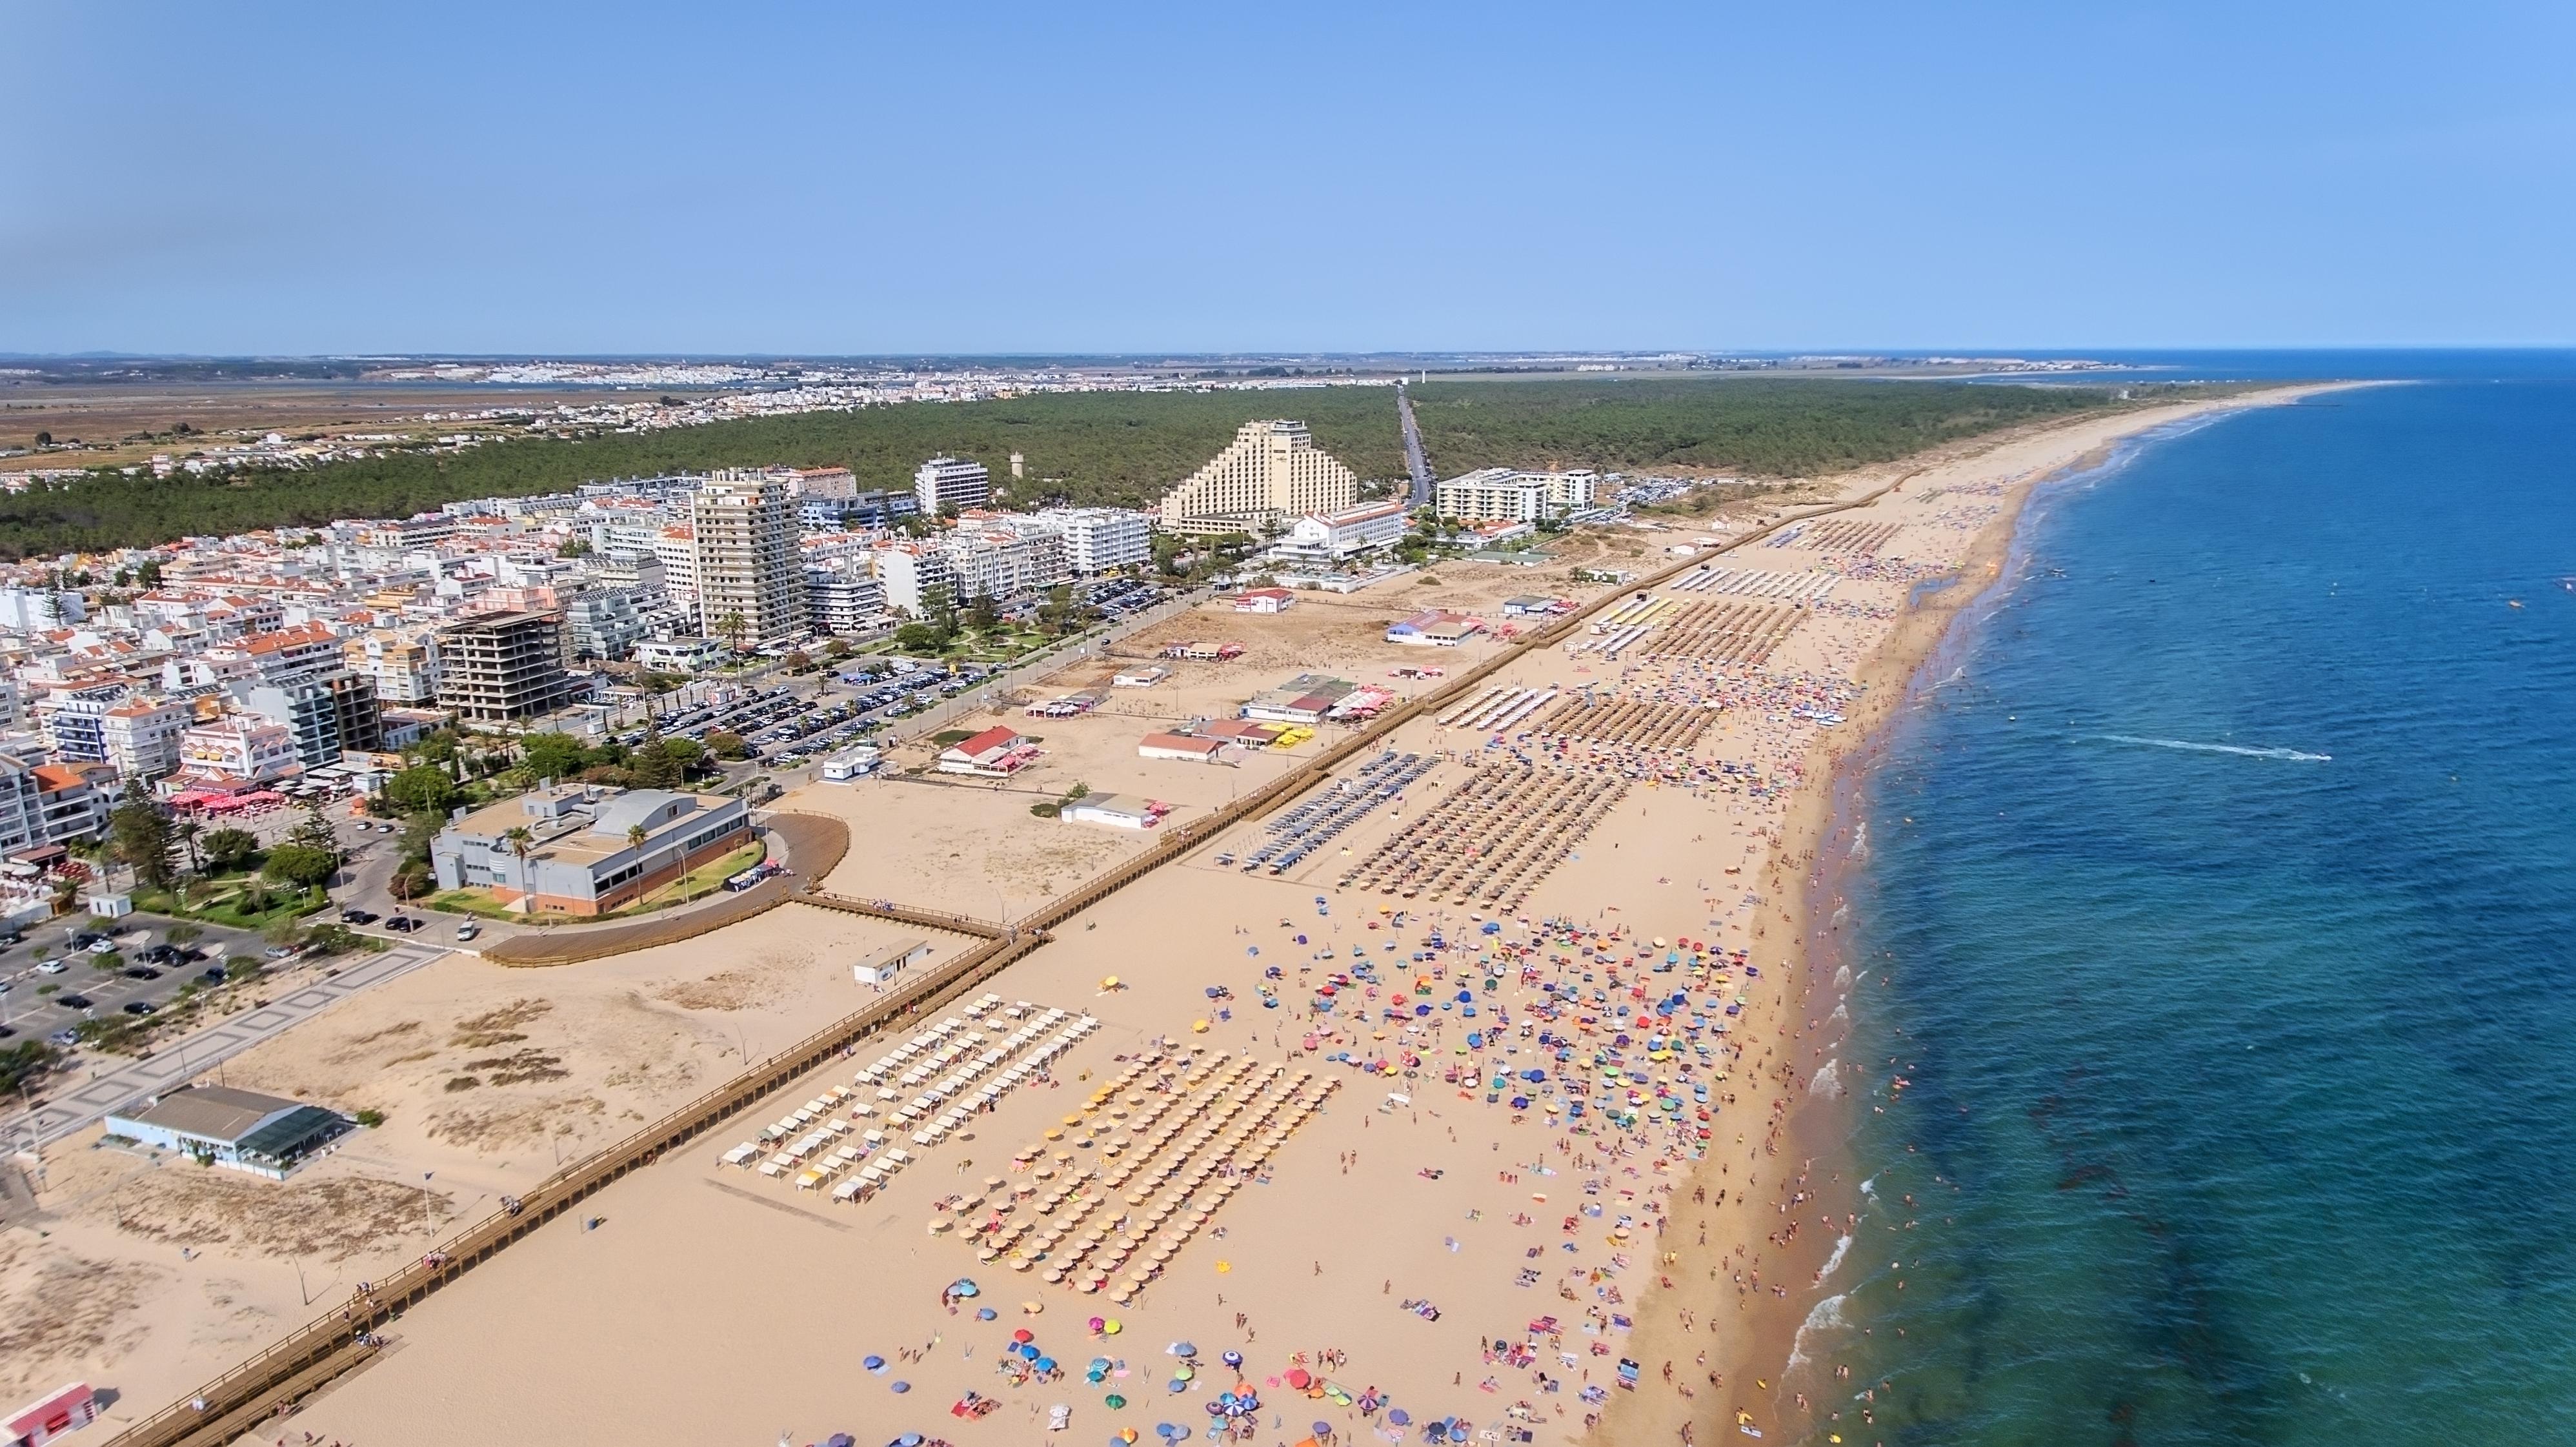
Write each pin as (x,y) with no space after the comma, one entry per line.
(963,1287)
(984,1313)
(873,1363)
(1399,1416)
(1110,1327)
(1298,1379)
(1113,1402)
(902,1387)
(1023,1334)
(908,1439)
(1323,1431)
(1182,1349)
(1097,1323)
(1231,1358)
(1046,1364)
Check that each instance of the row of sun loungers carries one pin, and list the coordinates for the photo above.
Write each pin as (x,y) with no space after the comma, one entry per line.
(1168,1158)
(959,1067)
(1300,831)
(1754,583)
(1712,632)
(1494,838)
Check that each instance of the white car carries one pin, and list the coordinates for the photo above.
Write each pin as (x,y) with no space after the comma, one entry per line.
(468,930)
(50,967)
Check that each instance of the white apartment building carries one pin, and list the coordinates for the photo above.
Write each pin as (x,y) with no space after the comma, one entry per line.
(1327,539)
(1502,493)
(910,571)
(48,804)
(844,599)
(244,749)
(747,559)
(676,549)
(405,669)
(605,622)
(1002,565)
(1096,539)
(143,737)
(951,485)
(34,610)
(1272,470)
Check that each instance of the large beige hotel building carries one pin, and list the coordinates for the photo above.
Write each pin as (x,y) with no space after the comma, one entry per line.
(1271,472)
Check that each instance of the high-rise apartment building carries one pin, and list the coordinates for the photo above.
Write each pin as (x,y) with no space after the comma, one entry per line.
(497,667)
(1096,539)
(1500,493)
(748,566)
(1004,565)
(1272,471)
(328,715)
(950,485)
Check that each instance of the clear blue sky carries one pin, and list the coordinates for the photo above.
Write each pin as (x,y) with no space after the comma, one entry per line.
(979,177)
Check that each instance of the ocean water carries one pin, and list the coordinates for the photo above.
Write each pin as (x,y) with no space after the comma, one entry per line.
(2218,913)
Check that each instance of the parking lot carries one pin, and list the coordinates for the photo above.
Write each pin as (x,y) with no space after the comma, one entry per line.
(43,999)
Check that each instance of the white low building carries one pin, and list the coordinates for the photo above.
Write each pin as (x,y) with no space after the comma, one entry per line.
(1510,495)
(1330,538)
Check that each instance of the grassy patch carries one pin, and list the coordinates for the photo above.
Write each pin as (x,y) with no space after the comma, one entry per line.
(222,901)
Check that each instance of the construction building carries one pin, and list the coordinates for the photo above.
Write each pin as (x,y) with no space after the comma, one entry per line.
(502,667)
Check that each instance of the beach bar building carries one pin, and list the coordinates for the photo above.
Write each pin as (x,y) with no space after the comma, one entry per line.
(50,1417)
(996,753)
(1118,811)
(1184,747)
(881,967)
(265,1135)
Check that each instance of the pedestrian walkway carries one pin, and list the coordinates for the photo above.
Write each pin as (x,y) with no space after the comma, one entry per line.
(175,1062)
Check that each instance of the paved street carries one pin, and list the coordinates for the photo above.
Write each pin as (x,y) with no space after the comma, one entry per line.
(72,1107)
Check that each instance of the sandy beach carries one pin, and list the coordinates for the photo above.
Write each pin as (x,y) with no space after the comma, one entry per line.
(1519,1074)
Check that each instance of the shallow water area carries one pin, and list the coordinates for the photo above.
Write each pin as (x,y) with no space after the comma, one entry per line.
(2211,963)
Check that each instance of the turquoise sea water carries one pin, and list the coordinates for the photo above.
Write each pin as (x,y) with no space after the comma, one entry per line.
(2219,909)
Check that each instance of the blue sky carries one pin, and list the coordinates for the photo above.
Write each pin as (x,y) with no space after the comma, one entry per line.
(993,177)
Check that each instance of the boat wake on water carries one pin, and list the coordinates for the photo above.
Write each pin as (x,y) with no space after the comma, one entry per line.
(2240,749)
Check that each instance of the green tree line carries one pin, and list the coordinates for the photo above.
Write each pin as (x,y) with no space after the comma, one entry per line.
(1122,448)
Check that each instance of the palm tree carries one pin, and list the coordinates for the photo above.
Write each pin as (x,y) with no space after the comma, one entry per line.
(636,834)
(188,829)
(519,839)
(731,626)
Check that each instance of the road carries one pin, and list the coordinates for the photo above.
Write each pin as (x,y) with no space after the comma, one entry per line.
(1416,461)
(73,1107)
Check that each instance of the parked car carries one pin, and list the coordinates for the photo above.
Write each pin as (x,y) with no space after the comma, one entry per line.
(140,1007)
(73,1002)
(214,976)
(402,924)
(64,1038)
(358,916)
(142,972)
(468,930)
(50,967)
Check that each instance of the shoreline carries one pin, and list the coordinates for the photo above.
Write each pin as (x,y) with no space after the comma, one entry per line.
(1760,1369)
